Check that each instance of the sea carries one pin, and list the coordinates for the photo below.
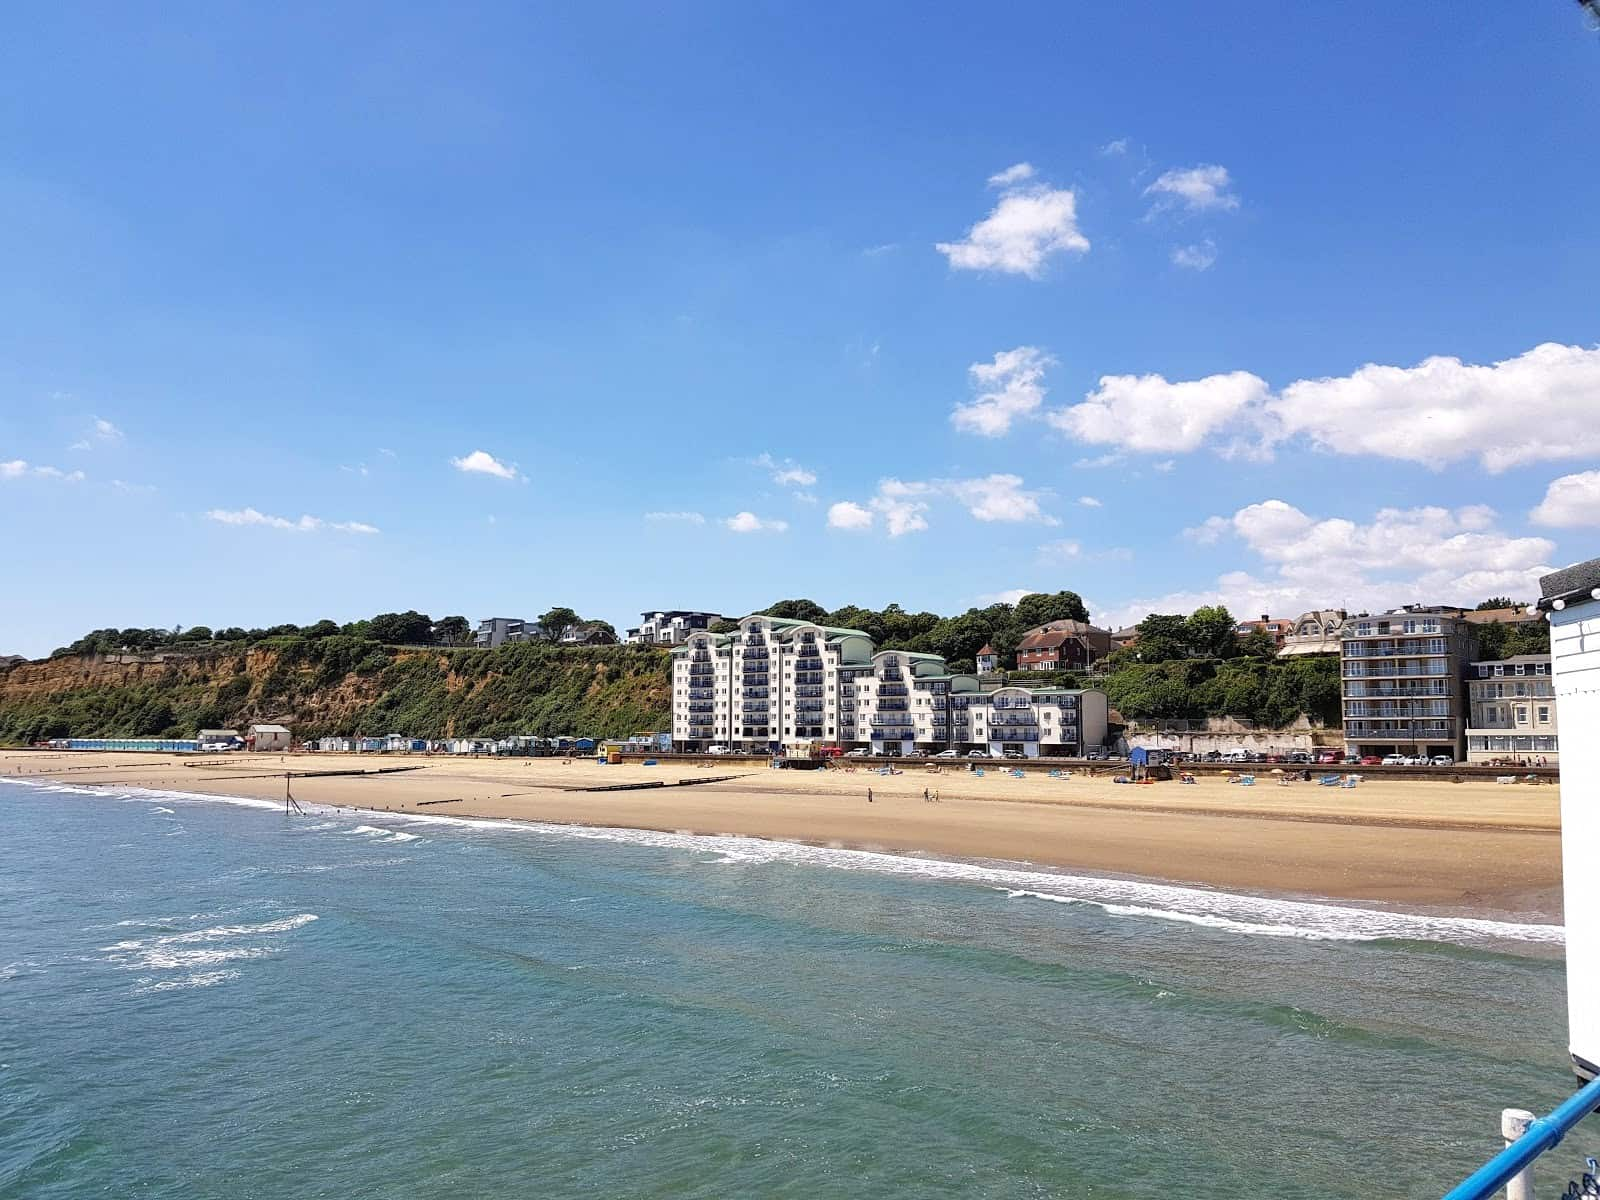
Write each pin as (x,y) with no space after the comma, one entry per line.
(212,998)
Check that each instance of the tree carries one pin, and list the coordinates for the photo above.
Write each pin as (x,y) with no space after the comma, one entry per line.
(798,610)
(197,633)
(1258,643)
(1041,608)
(601,633)
(409,628)
(231,634)
(451,631)
(556,622)
(1162,637)
(1210,632)
(322,629)
(724,626)
(1497,602)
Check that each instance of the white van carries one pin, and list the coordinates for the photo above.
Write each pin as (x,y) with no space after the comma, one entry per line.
(1236,756)
(717,750)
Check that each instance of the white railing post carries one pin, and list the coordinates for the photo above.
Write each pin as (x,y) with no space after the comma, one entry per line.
(1514,1123)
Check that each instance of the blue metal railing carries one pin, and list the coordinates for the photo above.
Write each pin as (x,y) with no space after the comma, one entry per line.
(1542,1135)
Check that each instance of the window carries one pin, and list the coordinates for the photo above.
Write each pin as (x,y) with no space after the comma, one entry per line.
(1522,714)
(1499,670)
(1521,669)
(1544,714)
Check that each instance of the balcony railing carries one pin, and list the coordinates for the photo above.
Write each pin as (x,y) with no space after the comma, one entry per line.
(809,677)
(891,675)
(702,708)
(892,689)
(887,722)
(892,706)
(1013,720)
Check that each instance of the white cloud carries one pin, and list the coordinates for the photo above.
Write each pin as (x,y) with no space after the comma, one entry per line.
(1539,406)
(1426,555)
(18,468)
(1570,502)
(688,518)
(1115,148)
(1197,189)
(306,524)
(1089,502)
(1165,465)
(105,430)
(1020,173)
(1149,414)
(1436,413)
(846,514)
(481,462)
(1196,257)
(748,522)
(904,504)
(1008,387)
(1029,224)
(81,445)
(997,498)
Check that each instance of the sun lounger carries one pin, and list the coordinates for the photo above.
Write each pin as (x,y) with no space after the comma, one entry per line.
(1329,781)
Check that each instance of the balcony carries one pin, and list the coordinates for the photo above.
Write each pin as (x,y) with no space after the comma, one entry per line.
(1439,688)
(702,708)
(758,706)
(702,693)
(700,656)
(754,680)
(756,693)
(892,722)
(1009,721)
(808,677)
(810,692)
(892,705)
(892,689)
(891,675)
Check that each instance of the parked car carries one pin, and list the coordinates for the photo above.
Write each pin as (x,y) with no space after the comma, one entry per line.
(948,754)
(915,754)
(1097,754)
(1012,754)
(830,751)
(1235,756)
(1212,756)
(1395,760)
(718,750)
(1330,757)
(977,754)
(1442,760)
(1298,756)
(858,752)
(1368,760)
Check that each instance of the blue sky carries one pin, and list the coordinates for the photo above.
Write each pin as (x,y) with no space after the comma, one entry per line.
(1282,305)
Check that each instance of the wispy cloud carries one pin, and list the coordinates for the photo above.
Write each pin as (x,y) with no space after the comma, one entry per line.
(18,468)
(1200,256)
(1089,502)
(1011,176)
(847,514)
(687,518)
(1205,188)
(105,430)
(880,250)
(306,524)
(481,462)
(1115,148)
(786,473)
(748,522)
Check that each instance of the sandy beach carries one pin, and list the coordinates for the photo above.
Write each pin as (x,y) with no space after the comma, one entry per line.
(1473,847)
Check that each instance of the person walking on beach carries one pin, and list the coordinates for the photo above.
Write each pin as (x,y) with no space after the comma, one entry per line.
(869,795)
(925,797)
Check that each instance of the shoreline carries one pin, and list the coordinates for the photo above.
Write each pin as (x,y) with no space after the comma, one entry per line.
(1313,918)
(1467,850)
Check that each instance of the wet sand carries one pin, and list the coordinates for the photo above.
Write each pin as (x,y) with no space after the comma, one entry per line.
(1478,848)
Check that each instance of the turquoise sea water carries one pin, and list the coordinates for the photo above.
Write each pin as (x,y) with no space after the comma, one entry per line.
(205,999)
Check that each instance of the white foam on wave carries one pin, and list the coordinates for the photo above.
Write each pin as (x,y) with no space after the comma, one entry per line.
(1132,898)
(200,979)
(197,948)
(159,810)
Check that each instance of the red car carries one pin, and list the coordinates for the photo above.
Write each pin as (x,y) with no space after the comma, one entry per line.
(1371,760)
(1327,757)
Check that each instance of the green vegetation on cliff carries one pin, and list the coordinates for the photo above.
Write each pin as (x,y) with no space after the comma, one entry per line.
(343,685)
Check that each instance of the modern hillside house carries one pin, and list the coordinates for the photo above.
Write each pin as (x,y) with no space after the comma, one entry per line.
(1513,711)
(783,683)
(1402,681)
(671,627)
(497,631)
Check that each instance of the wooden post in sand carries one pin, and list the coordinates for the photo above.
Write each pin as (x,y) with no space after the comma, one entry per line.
(290,804)
(1514,1123)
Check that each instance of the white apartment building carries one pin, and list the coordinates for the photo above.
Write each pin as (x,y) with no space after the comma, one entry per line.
(780,682)
(1401,681)
(1513,711)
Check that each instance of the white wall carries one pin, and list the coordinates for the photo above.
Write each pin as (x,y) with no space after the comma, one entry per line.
(1575,646)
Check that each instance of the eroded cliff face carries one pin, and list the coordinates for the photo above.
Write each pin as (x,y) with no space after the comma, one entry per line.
(340,685)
